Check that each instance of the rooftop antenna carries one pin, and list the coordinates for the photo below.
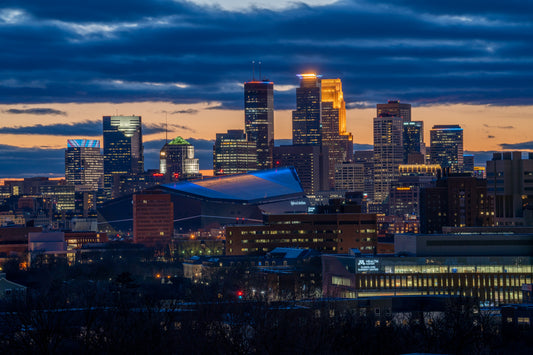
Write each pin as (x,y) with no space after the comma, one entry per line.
(260,77)
(253,70)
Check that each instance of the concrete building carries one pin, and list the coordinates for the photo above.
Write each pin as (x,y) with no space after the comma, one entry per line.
(350,176)
(310,162)
(458,200)
(153,219)
(332,233)
(393,108)
(388,155)
(510,183)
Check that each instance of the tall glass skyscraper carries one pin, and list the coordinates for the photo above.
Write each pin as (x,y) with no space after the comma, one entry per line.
(447,147)
(306,119)
(233,153)
(123,148)
(413,139)
(259,119)
(333,126)
(84,164)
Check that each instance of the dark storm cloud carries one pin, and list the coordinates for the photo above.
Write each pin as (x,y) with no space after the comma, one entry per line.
(85,128)
(500,127)
(160,127)
(44,162)
(36,111)
(122,51)
(189,111)
(522,145)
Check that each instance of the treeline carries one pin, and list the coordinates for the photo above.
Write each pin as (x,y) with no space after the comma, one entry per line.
(251,328)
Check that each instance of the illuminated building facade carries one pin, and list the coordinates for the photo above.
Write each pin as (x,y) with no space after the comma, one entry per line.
(447,147)
(350,176)
(510,183)
(393,108)
(388,154)
(84,164)
(491,279)
(153,216)
(259,119)
(177,161)
(123,149)
(333,126)
(233,153)
(306,119)
(333,233)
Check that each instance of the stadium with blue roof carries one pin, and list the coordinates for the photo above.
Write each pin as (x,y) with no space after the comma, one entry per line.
(241,198)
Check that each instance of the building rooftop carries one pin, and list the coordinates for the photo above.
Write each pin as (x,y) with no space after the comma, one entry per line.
(179,141)
(248,187)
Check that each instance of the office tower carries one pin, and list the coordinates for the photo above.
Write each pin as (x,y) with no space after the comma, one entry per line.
(388,154)
(447,147)
(510,182)
(366,157)
(84,164)
(259,119)
(177,161)
(413,142)
(153,219)
(311,164)
(123,149)
(233,153)
(306,119)
(333,126)
(350,176)
(468,164)
(394,109)
(456,201)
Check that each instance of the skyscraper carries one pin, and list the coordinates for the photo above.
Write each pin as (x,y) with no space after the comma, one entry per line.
(447,147)
(259,119)
(388,154)
(84,164)
(306,119)
(311,164)
(413,140)
(233,153)
(123,149)
(177,161)
(394,108)
(333,126)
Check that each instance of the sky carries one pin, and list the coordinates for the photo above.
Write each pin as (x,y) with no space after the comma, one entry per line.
(65,64)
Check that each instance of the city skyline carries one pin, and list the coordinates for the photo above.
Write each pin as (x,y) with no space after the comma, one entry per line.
(455,63)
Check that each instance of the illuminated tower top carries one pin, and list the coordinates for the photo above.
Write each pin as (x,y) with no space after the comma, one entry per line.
(332,92)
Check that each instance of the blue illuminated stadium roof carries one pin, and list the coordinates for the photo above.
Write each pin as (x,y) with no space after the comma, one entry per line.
(253,186)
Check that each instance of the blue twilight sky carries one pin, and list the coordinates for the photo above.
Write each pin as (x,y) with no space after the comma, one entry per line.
(192,52)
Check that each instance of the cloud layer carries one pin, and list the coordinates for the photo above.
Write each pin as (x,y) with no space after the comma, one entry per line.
(131,50)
